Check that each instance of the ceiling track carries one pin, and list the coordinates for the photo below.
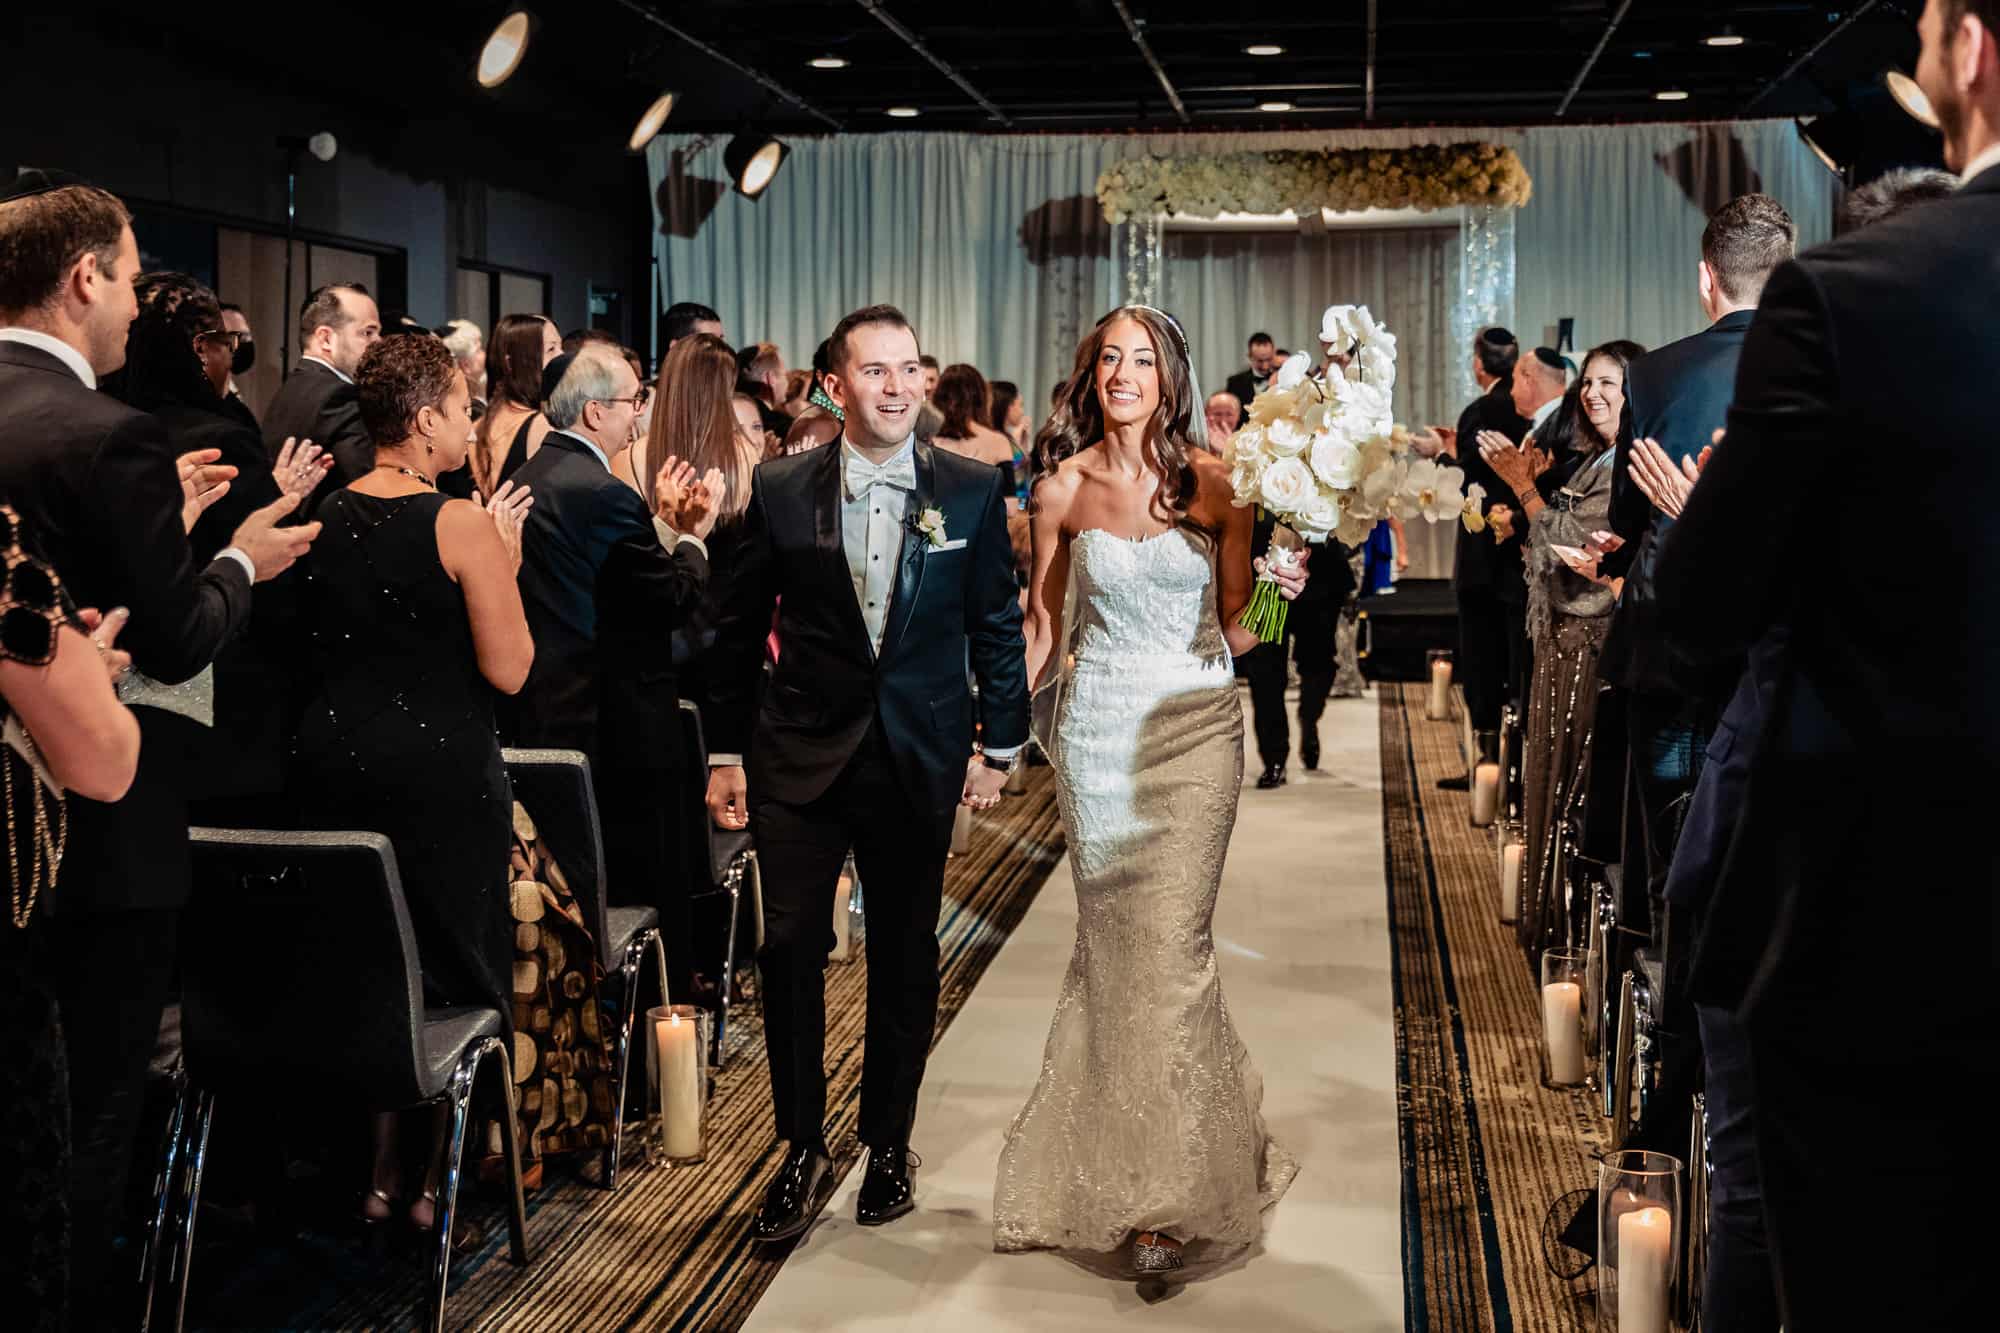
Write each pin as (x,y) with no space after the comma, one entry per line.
(1603,40)
(916,43)
(1138,32)
(777,89)
(1803,60)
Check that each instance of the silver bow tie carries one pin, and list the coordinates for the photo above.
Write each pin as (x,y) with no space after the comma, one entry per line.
(863,476)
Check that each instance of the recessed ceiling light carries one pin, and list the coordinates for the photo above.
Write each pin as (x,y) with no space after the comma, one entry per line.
(506,46)
(1263,49)
(1723,39)
(1671,95)
(904,112)
(828,62)
(1274,106)
(1910,97)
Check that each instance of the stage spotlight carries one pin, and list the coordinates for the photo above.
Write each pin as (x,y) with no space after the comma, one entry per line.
(505,48)
(1910,97)
(752,161)
(650,121)
(1833,140)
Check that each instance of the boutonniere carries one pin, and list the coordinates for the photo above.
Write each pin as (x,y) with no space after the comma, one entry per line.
(928,524)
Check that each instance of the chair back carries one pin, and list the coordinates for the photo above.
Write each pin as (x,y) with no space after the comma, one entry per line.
(554,787)
(706,861)
(299,964)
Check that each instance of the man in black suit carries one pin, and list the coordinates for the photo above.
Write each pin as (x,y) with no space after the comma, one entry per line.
(1246,382)
(96,484)
(889,566)
(1309,641)
(317,403)
(1678,396)
(603,595)
(1869,799)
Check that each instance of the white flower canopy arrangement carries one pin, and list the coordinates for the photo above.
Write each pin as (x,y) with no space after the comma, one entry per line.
(1324,455)
(1423,176)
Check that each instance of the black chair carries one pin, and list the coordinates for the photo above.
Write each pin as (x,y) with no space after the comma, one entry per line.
(286,933)
(730,863)
(555,788)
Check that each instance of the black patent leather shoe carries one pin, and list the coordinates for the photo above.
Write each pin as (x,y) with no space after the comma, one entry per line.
(1274,776)
(887,1190)
(1309,751)
(804,1184)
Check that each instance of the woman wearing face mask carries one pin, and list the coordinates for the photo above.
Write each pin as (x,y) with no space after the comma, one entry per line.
(1147,1125)
(1565,499)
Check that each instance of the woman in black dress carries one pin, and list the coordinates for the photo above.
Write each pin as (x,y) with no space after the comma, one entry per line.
(414,619)
(513,428)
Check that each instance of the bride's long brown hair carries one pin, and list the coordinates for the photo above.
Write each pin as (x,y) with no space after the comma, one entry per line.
(1078,421)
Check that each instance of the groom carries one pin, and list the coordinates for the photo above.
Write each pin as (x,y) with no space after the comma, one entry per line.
(889,568)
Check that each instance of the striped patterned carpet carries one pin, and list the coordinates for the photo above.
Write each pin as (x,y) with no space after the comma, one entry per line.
(1485,1147)
(671,1250)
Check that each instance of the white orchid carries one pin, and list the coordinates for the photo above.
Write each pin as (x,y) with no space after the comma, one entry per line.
(1429,491)
(1293,373)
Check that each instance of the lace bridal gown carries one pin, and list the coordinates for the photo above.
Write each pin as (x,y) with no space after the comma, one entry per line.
(1147,1116)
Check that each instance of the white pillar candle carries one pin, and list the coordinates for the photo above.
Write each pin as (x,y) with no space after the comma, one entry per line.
(1645,1263)
(1512,857)
(961,830)
(1485,793)
(1562,1029)
(843,935)
(1438,707)
(680,1085)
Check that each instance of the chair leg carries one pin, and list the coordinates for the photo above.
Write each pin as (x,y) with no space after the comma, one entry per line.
(163,1195)
(732,883)
(459,1095)
(194,1155)
(628,972)
(500,1080)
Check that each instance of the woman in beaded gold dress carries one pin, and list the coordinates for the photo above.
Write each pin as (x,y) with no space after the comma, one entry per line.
(1561,477)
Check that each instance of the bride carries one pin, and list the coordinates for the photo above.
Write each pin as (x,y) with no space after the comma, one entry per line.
(1146,1124)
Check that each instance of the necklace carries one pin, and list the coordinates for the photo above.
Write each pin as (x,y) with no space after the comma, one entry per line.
(406,471)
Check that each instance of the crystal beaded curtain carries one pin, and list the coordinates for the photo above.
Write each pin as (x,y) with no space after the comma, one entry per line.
(1485,281)
(1143,261)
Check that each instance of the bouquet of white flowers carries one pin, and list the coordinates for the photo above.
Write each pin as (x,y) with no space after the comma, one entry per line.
(1324,455)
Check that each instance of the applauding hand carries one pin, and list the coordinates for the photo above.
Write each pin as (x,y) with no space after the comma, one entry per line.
(698,502)
(1514,464)
(300,466)
(104,637)
(1665,483)
(272,549)
(203,482)
(509,508)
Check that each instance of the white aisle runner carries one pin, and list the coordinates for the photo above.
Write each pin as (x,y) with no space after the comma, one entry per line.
(1302,934)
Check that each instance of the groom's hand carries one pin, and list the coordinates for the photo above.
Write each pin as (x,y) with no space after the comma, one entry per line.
(728,797)
(982,785)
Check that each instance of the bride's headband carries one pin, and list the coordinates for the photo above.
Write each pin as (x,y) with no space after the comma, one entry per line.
(1172,323)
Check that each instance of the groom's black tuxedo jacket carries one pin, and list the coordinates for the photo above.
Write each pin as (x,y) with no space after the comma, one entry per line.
(948,608)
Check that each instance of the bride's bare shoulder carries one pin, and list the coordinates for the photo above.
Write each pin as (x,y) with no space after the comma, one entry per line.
(1214,493)
(1054,492)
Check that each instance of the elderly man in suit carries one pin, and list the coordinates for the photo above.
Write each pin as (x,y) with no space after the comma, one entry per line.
(317,402)
(604,584)
(96,483)
(1866,808)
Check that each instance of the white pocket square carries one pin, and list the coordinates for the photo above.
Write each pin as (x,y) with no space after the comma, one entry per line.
(958,545)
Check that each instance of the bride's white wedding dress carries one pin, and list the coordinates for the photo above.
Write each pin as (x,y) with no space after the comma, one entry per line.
(1147,1116)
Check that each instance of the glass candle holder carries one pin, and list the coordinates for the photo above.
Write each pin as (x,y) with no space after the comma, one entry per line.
(677,1040)
(1562,1016)
(1437,704)
(1513,866)
(1639,1226)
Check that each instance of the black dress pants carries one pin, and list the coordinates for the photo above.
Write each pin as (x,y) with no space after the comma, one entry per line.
(644,861)
(1740,1289)
(1494,655)
(899,851)
(1309,631)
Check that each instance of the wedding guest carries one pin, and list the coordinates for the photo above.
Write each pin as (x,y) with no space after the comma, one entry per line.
(820,423)
(1246,383)
(931,373)
(602,594)
(1872,355)
(1679,395)
(798,387)
(1563,489)
(412,619)
(56,686)
(761,374)
(467,346)
(964,403)
(685,317)
(1891,193)
(1308,644)
(242,356)
(577,339)
(513,427)
(1010,416)
(316,402)
(96,482)
(1225,415)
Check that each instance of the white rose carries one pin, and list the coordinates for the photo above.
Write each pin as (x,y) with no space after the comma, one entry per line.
(1320,513)
(1335,460)
(1287,484)
(1286,440)
(1243,478)
(1248,446)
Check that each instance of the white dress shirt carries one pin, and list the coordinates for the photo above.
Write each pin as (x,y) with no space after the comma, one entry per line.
(1989,158)
(55,347)
(873,500)
(1542,414)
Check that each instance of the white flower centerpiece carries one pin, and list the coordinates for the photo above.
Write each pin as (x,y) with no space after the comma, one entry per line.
(1324,455)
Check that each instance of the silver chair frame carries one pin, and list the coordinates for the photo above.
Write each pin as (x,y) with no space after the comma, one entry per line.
(1701,1174)
(1632,1085)
(629,969)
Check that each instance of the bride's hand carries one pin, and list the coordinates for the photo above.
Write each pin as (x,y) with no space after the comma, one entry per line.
(982,785)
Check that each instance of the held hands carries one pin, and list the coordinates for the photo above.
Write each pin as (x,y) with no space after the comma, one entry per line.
(272,549)
(728,797)
(203,482)
(300,466)
(103,634)
(982,785)
(1291,578)
(509,511)
(1666,484)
